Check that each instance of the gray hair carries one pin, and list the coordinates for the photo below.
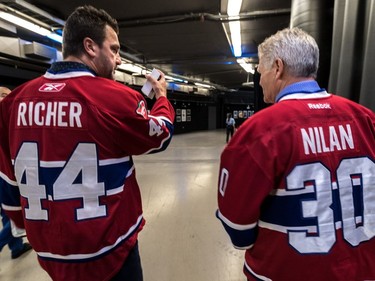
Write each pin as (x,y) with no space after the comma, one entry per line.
(297,49)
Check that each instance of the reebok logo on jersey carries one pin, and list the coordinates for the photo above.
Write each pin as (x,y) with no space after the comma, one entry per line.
(52,87)
(319,105)
(141,109)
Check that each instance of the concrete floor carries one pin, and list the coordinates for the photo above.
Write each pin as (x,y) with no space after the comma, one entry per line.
(182,240)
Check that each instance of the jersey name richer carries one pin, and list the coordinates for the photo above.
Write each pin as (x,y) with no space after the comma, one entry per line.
(327,139)
(53,114)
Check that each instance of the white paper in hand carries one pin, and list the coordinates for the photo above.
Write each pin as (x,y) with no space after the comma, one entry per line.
(147,87)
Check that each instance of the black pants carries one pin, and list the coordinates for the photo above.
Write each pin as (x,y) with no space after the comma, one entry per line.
(230,130)
(132,268)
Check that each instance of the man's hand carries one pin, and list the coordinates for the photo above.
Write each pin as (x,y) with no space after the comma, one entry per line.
(159,86)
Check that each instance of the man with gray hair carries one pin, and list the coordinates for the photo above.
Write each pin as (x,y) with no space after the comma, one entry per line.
(297,181)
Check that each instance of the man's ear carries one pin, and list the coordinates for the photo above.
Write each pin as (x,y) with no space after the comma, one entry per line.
(90,46)
(279,68)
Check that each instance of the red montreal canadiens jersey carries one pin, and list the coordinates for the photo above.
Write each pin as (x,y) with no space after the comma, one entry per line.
(66,145)
(297,190)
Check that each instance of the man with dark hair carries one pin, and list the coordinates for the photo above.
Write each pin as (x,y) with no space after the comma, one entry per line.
(91,23)
(297,181)
(66,145)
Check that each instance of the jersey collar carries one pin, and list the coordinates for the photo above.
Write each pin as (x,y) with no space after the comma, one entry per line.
(66,69)
(303,87)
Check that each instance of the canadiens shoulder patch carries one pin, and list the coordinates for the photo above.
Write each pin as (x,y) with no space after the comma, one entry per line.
(141,109)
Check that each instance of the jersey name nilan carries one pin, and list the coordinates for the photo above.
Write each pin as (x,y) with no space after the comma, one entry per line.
(327,139)
(53,114)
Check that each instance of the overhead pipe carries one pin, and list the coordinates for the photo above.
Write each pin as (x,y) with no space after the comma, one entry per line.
(202,17)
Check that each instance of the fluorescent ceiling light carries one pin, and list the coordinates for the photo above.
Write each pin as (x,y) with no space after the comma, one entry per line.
(202,85)
(30,26)
(247,66)
(234,7)
(25,24)
(235,34)
(55,37)
(168,77)
(233,10)
(130,67)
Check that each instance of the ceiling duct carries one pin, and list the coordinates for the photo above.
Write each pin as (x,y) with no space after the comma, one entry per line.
(10,46)
(39,51)
(7,28)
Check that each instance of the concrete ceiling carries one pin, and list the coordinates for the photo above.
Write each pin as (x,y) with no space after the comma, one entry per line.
(188,38)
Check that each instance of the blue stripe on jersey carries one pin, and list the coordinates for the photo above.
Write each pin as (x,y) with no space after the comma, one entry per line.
(113,175)
(287,210)
(242,237)
(9,193)
(166,142)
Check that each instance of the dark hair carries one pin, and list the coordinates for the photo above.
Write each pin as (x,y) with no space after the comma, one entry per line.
(85,21)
